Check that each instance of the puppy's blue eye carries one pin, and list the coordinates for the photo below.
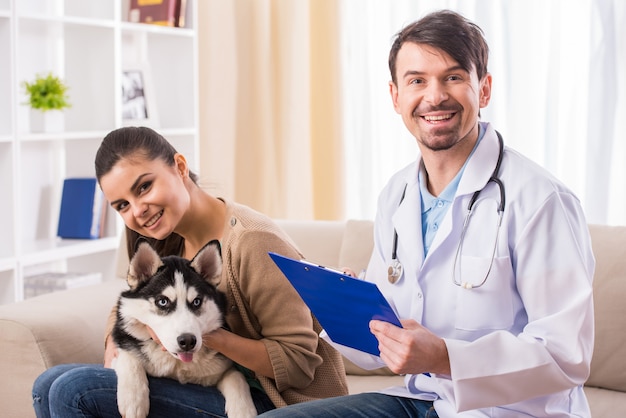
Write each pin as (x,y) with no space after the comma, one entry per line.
(162,302)
(196,302)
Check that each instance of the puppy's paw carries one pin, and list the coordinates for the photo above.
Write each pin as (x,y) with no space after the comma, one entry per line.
(133,394)
(133,403)
(240,410)
(133,411)
(236,392)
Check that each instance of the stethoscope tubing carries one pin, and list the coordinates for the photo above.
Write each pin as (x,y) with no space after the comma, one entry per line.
(395,268)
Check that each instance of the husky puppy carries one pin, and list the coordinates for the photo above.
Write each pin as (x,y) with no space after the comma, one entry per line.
(179,300)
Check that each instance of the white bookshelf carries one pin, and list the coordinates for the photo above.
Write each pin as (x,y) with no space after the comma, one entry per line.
(87,43)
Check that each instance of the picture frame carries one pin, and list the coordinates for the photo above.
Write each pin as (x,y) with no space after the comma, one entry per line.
(138,104)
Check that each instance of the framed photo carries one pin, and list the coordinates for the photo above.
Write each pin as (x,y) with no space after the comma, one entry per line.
(138,106)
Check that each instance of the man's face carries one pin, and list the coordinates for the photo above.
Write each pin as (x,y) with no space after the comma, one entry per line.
(438,100)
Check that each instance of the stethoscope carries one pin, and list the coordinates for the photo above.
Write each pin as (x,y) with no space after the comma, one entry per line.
(394,271)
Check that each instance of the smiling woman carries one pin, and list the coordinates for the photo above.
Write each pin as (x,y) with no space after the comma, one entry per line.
(153,189)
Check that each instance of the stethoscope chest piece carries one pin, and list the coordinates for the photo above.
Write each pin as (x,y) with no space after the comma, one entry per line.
(394,271)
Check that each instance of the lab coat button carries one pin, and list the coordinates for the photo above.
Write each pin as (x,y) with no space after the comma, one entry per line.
(419,295)
(233,221)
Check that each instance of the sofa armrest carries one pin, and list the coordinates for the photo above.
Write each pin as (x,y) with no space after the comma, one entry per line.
(60,327)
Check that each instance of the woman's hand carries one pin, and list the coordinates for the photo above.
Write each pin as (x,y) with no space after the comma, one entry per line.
(110,349)
(155,338)
(110,352)
(249,353)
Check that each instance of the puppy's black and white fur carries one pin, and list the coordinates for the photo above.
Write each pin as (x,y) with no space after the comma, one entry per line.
(179,301)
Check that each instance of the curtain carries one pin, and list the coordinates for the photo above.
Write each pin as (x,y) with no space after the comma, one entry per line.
(270,114)
(558,96)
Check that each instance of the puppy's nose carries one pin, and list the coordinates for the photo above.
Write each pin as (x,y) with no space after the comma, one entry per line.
(186,342)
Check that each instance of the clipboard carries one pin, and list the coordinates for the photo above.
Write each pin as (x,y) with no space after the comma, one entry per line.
(342,304)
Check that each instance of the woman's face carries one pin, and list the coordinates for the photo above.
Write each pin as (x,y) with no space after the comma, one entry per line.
(149,194)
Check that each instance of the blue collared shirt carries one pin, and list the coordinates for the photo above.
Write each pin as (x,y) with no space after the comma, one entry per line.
(434,208)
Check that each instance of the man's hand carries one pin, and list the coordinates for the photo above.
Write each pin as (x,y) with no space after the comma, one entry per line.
(348,272)
(412,349)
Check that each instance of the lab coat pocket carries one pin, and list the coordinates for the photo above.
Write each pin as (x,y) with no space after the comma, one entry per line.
(490,306)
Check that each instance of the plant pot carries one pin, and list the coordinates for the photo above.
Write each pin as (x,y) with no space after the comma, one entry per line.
(50,121)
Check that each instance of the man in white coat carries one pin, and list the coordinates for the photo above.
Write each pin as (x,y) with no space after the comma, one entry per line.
(496,308)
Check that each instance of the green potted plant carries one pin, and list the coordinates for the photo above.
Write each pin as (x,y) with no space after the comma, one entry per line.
(47,97)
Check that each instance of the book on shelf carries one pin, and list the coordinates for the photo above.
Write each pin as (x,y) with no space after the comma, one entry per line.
(48,282)
(83,209)
(181,12)
(158,12)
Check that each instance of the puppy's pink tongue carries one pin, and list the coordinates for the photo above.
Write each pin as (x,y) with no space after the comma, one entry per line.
(185,357)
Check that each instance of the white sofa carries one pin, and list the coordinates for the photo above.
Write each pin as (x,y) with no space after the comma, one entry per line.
(68,326)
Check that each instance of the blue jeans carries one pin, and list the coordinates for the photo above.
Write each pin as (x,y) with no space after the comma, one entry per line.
(363,405)
(85,390)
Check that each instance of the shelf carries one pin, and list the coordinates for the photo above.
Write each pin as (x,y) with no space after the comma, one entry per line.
(63,136)
(45,251)
(157,29)
(177,132)
(68,20)
(49,9)
(7,264)
(88,44)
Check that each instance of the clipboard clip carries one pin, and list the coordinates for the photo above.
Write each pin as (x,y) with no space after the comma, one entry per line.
(324,267)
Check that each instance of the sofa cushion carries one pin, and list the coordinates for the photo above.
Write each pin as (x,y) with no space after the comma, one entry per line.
(609,287)
(357,245)
(61,327)
(322,247)
(605,403)
(359,384)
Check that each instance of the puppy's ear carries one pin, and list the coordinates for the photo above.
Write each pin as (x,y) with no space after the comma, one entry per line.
(143,265)
(138,242)
(208,262)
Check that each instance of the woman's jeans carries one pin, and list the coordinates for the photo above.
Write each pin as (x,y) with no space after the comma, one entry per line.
(82,390)
(363,405)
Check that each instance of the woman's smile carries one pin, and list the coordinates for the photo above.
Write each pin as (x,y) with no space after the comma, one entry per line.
(154,219)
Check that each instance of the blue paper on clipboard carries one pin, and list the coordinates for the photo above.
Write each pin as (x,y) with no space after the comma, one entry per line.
(342,304)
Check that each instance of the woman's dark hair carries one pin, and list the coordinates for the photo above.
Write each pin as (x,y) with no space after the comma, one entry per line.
(447,31)
(146,143)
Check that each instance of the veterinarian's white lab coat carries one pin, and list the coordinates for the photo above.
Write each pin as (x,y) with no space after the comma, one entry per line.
(528,331)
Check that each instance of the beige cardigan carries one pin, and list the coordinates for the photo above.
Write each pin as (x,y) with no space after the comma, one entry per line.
(263,305)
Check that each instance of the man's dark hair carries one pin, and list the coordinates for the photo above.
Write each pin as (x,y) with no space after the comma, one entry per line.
(447,31)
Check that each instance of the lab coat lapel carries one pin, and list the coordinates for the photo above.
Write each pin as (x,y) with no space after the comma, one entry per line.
(481,165)
(407,220)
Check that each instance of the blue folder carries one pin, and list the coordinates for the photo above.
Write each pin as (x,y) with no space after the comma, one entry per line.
(82,209)
(342,304)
